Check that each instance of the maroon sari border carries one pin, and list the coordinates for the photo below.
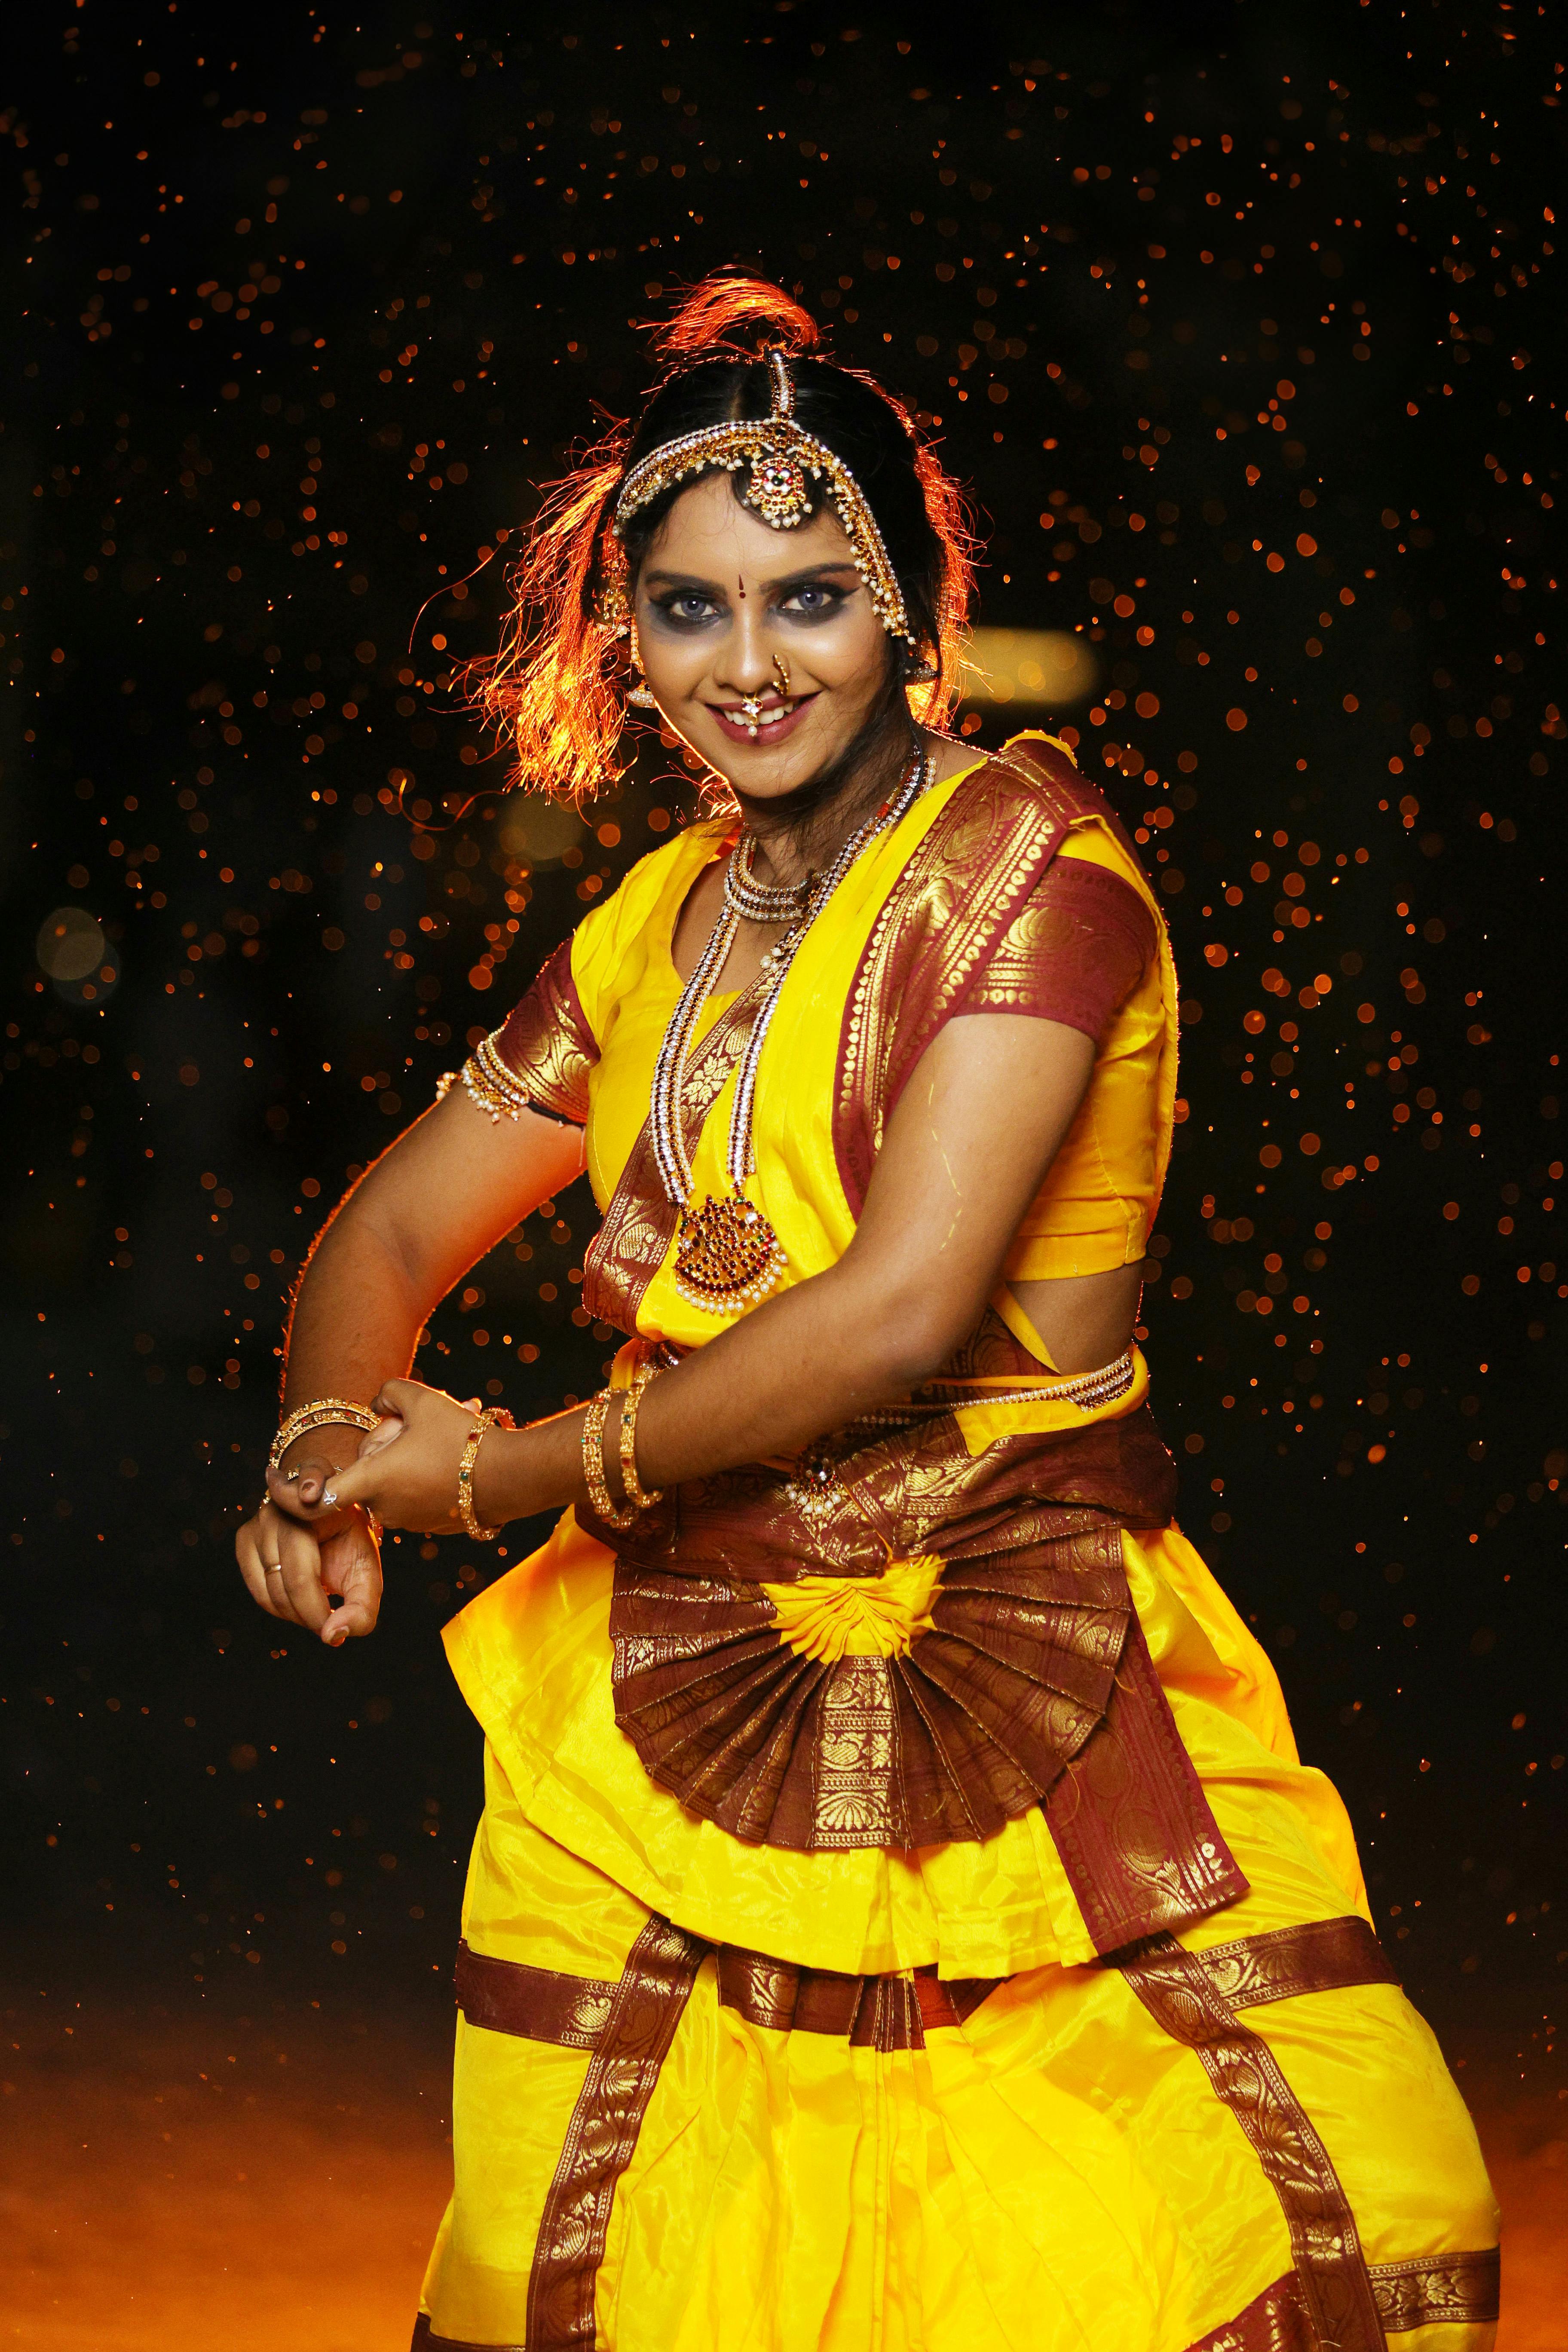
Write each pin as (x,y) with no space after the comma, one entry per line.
(1130,1821)
(1274,2321)
(1439,2290)
(1319,1958)
(1428,2290)
(545,1040)
(537,2004)
(892,2011)
(1330,2268)
(633,2040)
(888,1022)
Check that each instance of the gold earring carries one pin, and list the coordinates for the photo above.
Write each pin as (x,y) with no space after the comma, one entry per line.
(639,691)
(781,671)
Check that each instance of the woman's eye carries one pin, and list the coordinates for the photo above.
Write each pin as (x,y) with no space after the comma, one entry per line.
(686,608)
(816,597)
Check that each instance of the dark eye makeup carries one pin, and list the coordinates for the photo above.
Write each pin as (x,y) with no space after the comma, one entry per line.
(802,600)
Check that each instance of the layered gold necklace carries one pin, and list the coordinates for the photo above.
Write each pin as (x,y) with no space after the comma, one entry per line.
(727,1255)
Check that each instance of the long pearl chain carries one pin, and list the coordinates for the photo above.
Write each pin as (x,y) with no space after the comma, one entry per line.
(728,1255)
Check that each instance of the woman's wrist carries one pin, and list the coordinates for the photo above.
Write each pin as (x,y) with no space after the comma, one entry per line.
(522,1472)
(334,1444)
(502,1487)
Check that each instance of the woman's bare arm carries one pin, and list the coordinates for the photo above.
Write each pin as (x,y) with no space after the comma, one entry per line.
(439,1198)
(967,1147)
(447,1189)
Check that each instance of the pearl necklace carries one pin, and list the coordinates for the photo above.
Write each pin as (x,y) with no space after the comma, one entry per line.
(755,901)
(728,1255)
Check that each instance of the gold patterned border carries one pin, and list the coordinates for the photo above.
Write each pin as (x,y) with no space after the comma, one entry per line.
(1439,2290)
(1331,2271)
(1460,2290)
(649,2000)
(940,927)
(546,1042)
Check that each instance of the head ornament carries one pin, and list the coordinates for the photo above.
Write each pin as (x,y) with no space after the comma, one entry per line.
(783,460)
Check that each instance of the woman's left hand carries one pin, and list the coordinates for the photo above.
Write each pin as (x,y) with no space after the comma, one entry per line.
(408,1479)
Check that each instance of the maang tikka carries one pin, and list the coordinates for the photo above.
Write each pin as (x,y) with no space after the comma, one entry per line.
(783,460)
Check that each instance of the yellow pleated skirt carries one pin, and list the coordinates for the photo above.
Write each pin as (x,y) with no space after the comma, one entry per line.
(1082,2157)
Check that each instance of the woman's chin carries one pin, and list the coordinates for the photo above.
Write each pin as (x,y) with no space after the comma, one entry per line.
(770,773)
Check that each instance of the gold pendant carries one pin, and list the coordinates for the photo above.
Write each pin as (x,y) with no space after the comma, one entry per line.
(727,1255)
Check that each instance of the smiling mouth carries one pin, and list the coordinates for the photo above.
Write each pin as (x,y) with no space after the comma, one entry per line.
(757,717)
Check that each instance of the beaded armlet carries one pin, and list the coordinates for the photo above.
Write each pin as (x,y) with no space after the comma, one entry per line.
(493,1087)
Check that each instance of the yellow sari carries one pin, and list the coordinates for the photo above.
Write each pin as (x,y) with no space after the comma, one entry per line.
(747,2057)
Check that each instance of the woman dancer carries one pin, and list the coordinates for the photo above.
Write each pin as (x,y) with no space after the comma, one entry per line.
(898,1917)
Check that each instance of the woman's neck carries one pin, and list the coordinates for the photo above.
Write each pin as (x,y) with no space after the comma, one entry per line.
(801,834)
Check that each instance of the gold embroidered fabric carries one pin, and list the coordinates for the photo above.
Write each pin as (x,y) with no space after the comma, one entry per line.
(546,1042)
(854,1756)
(1028,1683)
(987,916)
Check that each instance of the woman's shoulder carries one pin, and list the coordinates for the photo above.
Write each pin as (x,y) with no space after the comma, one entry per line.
(1025,801)
(1036,777)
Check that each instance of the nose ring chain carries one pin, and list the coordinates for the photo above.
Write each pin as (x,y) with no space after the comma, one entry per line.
(752,704)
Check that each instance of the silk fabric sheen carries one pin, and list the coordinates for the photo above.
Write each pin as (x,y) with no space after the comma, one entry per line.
(1054,2166)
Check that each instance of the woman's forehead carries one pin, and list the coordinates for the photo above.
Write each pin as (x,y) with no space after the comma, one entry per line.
(709,531)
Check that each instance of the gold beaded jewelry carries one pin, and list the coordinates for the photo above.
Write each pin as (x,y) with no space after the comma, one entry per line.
(491,1085)
(780,456)
(317,1415)
(593,1421)
(495,1416)
(728,1255)
(639,1497)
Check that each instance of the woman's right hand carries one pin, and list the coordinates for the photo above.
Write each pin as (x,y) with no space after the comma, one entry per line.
(295,1572)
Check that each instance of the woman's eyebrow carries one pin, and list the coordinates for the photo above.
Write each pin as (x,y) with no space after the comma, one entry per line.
(802,579)
(687,580)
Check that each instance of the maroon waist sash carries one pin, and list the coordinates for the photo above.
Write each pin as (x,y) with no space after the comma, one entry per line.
(1031,1686)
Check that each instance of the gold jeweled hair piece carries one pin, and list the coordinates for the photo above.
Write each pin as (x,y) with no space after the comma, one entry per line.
(784,459)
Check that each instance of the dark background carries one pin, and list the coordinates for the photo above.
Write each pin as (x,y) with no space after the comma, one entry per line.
(1259,307)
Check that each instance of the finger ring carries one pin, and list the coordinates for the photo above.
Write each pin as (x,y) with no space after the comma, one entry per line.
(328,1500)
(272,1568)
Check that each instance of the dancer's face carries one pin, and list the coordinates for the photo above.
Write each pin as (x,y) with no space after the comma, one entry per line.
(718,596)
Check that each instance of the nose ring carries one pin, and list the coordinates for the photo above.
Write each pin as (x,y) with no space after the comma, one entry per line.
(781,671)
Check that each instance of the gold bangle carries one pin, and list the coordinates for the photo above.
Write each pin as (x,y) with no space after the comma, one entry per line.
(639,1497)
(593,1421)
(317,1415)
(495,1416)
